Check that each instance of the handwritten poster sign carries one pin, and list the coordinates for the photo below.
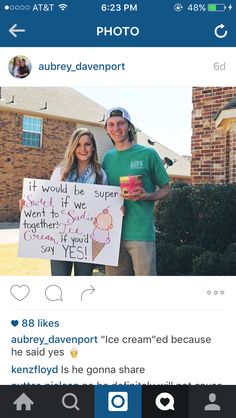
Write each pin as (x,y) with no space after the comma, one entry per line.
(70,221)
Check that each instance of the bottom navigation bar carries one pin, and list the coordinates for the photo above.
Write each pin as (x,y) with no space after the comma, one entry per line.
(130,401)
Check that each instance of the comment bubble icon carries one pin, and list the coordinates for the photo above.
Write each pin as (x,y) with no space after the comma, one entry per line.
(53,293)
(165,401)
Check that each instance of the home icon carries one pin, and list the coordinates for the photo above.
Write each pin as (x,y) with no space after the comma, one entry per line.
(23,402)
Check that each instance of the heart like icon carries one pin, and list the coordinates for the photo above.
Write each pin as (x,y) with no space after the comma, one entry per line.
(20,292)
(14,323)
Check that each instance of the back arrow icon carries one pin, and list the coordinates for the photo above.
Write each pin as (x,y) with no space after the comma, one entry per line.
(13,29)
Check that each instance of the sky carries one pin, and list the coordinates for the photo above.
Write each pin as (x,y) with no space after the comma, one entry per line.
(163,113)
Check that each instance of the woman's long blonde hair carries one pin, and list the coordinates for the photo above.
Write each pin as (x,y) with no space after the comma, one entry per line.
(16,58)
(70,160)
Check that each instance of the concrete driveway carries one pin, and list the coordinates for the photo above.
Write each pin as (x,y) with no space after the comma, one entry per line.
(9,233)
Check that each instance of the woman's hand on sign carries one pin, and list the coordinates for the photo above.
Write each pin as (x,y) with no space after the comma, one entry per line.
(21,204)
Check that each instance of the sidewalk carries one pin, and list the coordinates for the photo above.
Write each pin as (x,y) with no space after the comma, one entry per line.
(9,233)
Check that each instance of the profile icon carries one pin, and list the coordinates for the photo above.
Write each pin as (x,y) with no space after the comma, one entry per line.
(212,406)
(19,66)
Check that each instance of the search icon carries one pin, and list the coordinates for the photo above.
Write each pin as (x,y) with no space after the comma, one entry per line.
(74,402)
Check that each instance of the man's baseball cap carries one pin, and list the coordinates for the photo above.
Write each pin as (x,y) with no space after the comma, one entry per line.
(116,111)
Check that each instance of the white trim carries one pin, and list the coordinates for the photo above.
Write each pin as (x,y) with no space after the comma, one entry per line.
(225,114)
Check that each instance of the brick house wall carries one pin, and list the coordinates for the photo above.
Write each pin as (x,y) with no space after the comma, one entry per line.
(178,179)
(231,136)
(213,150)
(19,161)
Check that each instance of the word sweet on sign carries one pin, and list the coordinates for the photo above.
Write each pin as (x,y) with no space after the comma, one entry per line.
(71,221)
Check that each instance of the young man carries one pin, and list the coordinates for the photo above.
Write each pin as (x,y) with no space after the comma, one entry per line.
(24,69)
(137,249)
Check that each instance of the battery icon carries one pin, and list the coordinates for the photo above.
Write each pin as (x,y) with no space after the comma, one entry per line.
(216,7)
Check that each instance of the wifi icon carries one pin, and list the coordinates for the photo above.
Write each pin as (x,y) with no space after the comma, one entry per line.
(63,6)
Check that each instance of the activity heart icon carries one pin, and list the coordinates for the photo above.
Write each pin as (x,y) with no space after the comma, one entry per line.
(164,401)
(14,323)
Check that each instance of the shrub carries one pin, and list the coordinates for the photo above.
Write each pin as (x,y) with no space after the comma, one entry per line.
(185,256)
(209,263)
(202,215)
(174,217)
(166,259)
(231,248)
(230,264)
(214,212)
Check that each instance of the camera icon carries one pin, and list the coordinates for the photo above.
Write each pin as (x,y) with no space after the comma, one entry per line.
(117,401)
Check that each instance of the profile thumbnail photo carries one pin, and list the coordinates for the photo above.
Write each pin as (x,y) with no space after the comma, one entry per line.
(19,66)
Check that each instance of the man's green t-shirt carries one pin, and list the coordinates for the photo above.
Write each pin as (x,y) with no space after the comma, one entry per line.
(138,224)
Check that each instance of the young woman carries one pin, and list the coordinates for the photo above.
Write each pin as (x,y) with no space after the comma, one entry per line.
(16,67)
(80,165)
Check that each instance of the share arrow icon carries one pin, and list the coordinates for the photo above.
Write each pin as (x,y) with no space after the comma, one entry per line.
(90,290)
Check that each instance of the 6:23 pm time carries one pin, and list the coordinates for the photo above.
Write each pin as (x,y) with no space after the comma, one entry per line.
(118,7)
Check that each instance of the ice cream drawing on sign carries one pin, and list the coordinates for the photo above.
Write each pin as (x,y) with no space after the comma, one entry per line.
(70,221)
(101,236)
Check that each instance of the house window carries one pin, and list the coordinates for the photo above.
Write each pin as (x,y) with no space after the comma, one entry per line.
(32,131)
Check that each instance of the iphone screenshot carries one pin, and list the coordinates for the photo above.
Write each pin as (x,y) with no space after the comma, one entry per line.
(117,209)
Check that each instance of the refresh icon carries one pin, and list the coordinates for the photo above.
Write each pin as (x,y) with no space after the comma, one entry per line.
(220,31)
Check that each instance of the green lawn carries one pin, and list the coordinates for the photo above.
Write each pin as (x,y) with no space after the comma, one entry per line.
(11,265)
